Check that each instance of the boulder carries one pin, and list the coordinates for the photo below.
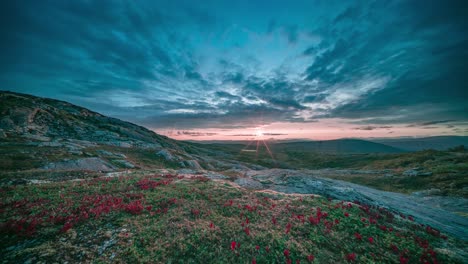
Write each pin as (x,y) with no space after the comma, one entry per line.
(249,183)
(90,164)
(166,155)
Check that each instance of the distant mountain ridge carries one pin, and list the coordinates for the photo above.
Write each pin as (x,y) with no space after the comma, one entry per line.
(357,145)
(350,146)
(417,144)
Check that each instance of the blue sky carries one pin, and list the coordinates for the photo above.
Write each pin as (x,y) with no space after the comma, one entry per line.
(212,69)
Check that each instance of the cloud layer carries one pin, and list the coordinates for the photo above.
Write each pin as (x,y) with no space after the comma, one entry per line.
(212,64)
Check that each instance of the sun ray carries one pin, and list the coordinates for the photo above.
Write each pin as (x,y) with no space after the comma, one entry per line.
(268,149)
(247,146)
(256,152)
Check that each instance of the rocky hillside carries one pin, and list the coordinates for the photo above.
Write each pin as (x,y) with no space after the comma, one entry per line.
(47,120)
(41,133)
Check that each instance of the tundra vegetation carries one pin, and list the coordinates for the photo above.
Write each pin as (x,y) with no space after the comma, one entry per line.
(186,218)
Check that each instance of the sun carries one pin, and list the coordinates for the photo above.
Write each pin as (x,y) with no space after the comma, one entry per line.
(257,142)
(259,133)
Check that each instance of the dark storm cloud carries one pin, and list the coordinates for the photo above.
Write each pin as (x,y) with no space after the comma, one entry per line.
(373,127)
(291,33)
(214,64)
(271,26)
(437,122)
(116,43)
(255,135)
(240,116)
(97,31)
(195,133)
(420,50)
(277,92)
(430,123)
(309,51)
(226,95)
(350,13)
(233,77)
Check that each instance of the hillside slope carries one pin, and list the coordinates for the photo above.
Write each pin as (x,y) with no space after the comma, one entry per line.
(354,146)
(416,144)
(41,133)
(43,119)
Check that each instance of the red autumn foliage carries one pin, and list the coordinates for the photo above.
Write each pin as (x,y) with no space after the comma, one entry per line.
(358,236)
(314,220)
(147,184)
(403,260)
(247,231)
(394,248)
(250,208)
(134,207)
(288,227)
(195,212)
(351,257)
(301,218)
(233,245)
(67,226)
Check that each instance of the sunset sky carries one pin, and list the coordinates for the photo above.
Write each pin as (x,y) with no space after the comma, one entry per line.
(210,70)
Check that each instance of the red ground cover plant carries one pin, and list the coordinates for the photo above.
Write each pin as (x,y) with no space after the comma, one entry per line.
(271,229)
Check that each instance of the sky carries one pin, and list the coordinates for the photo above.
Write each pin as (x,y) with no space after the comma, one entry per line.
(216,70)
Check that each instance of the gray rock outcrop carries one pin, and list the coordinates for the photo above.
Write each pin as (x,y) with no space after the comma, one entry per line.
(428,210)
(91,164)
(166,155)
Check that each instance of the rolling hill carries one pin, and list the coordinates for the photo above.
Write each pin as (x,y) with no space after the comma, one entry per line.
(416,144)
(344,146)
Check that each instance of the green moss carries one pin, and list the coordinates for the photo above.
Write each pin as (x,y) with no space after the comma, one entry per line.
(181,236)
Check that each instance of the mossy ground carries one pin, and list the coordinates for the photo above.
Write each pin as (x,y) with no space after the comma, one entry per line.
(154,218)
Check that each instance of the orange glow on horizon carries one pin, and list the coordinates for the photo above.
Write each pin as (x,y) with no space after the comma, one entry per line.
(326,129)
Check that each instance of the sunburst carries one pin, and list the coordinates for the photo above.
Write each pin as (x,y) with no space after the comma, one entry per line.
(258,140)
